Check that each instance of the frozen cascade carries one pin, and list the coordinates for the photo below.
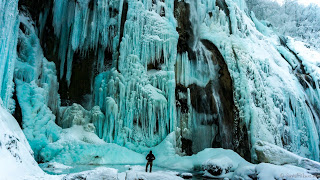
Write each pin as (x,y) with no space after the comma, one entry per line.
(138,100)
(148,68)
(37,89)
(201,72)
(81,28)
(9,26)
(272,113)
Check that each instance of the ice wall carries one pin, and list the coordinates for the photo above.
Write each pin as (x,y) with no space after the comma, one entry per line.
(137,96)
(272,103)
(206,69)
(151,70)
(16,159)
(9,25)
(37,89)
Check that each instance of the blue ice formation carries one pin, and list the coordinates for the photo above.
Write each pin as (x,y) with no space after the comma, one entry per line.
(156,83)
(9,26)
(37,89)
(132,95)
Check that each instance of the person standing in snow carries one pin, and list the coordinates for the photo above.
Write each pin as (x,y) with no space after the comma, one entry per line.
(150,157)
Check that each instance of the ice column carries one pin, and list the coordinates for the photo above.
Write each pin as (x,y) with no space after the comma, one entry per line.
(37,90)
(138,96)
(9,26)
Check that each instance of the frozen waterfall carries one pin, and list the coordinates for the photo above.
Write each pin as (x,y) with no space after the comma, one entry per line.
(88,73)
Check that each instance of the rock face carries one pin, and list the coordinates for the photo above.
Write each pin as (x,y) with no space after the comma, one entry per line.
(206,69)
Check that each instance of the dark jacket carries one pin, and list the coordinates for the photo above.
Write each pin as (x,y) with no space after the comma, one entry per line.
(150,157)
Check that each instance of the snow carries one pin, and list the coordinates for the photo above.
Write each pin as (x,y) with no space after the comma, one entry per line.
(156,176)
(98,173)
(78,146)
(271,153)
(269,171)
(16,160)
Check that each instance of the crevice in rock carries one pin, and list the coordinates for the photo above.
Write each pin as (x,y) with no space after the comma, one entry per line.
(17,112)
(123,19)
(187,146)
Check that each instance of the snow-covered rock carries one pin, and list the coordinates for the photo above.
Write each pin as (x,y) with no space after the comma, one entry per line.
(186,175)
(269,171)
(98,173)
(218,166)
(271,153)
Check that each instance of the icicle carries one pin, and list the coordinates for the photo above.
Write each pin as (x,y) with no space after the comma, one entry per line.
(9,26)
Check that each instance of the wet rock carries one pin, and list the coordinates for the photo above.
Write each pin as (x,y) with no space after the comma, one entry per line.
(202,99)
